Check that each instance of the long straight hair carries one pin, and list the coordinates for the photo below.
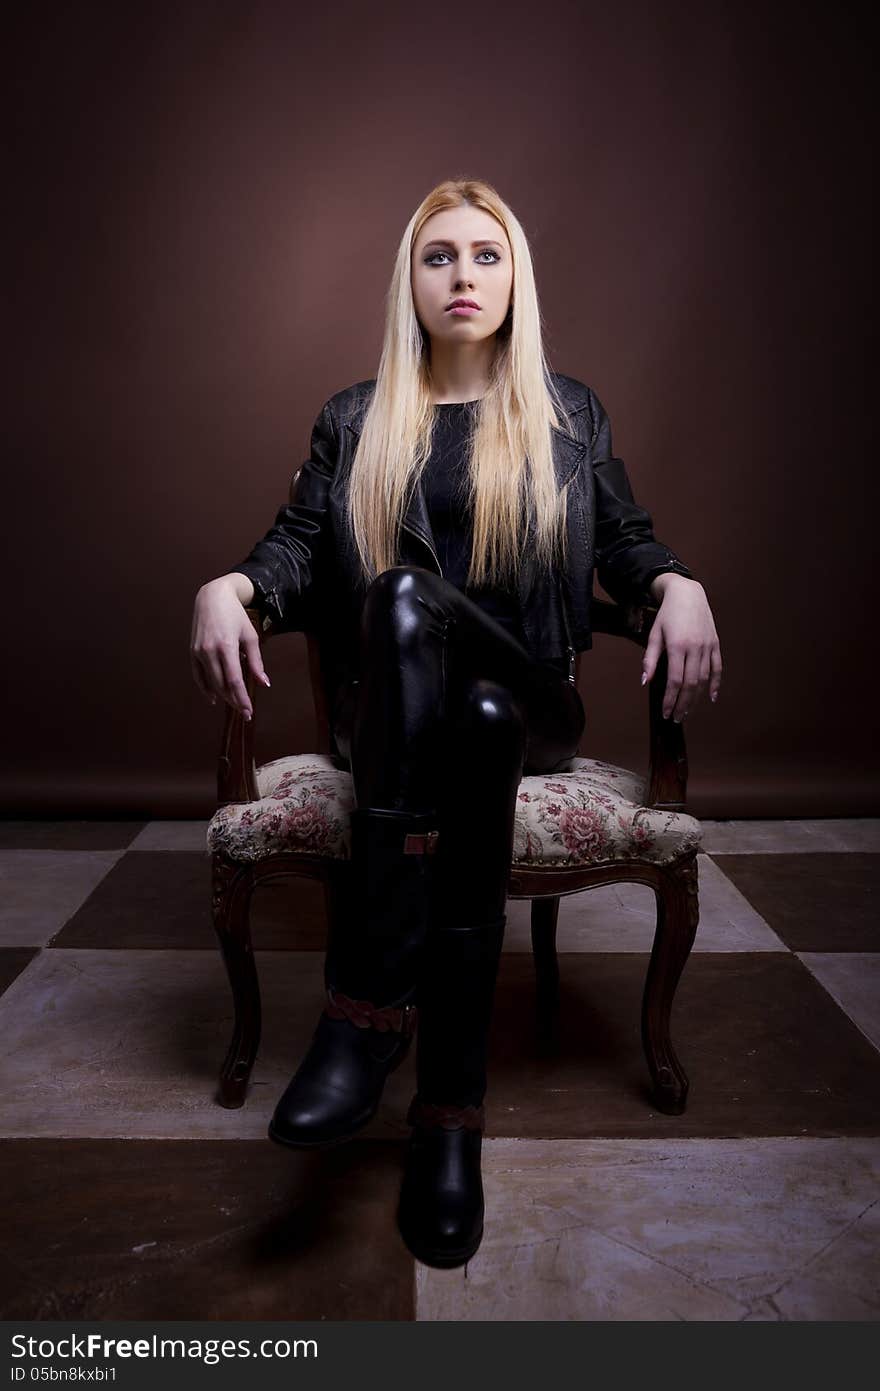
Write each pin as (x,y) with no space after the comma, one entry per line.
(510,454)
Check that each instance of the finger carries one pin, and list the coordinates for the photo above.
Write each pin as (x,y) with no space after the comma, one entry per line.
(702,678)
(675,659)
(653,648)
(214,674)
(689,685)
(715,679)
(236,691)
(203,675)
(254,656)
(200,680)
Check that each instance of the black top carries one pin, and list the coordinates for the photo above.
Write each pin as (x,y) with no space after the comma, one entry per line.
(445,482)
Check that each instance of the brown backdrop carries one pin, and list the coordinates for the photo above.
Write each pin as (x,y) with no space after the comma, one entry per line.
(207,201)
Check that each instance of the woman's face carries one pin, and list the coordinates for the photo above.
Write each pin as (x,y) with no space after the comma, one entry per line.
(461,253)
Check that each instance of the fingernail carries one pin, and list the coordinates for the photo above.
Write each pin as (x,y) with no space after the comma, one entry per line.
(266,681)
(714,696)
(644,677)
(246,715)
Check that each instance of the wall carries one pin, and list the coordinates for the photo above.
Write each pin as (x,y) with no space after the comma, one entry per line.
(206,204)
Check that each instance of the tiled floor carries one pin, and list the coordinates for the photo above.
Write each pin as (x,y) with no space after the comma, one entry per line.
(132,1194)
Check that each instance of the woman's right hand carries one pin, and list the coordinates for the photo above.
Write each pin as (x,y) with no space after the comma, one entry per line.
(221,630)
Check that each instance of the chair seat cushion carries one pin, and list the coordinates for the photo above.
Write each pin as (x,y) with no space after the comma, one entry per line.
(591,815)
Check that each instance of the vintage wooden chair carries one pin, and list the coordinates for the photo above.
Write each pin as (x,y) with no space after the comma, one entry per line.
(598,824)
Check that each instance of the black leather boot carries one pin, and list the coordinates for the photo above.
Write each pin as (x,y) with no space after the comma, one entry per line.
(441,1199)
(440,1215)
(378,928)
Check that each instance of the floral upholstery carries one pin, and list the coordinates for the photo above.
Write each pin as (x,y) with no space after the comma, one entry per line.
(593,814)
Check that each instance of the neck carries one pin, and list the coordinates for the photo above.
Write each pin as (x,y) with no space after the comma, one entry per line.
(460,371)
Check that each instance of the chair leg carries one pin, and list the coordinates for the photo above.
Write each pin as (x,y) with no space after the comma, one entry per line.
(545,913)
(677,917)
(232,886)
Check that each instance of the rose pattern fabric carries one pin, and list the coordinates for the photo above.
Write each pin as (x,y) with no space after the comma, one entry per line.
(303,807)
(592,815)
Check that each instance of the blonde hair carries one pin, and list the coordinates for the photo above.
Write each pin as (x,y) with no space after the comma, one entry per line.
(511,445)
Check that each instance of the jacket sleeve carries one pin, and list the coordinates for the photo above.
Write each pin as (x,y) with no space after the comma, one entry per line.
(283,564)
(628,555)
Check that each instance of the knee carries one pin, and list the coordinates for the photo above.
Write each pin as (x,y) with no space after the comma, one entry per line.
(397,597)
(398,582)
(494,712)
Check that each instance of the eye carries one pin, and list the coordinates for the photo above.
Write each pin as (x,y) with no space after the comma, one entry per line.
(431,260)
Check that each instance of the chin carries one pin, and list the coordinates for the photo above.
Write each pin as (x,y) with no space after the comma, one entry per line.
(476,330)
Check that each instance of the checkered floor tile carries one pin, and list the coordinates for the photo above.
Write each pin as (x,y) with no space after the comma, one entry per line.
(133,1194)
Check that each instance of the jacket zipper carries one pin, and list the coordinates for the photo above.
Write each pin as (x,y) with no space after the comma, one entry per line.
(570,648)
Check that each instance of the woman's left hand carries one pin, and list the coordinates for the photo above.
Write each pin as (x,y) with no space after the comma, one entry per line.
(685,627)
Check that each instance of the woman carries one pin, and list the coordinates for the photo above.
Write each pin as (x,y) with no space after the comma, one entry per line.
(440,542)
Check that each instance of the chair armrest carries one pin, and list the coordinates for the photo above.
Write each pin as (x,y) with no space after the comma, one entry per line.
(668,767)
(236,770)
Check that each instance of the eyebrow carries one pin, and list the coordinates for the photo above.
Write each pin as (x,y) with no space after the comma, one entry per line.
(438,241)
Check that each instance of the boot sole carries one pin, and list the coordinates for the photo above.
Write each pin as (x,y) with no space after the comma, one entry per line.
(315,1144)
(441,1260)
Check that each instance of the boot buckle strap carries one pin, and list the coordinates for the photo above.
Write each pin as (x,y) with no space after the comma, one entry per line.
(420,843)
(400,1019)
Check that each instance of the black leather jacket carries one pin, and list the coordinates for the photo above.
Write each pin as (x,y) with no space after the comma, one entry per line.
(306,571)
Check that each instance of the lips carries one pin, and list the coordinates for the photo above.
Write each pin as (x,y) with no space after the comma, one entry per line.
(462,304)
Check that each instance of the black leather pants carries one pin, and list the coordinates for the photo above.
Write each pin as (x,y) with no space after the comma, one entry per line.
(448,709)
